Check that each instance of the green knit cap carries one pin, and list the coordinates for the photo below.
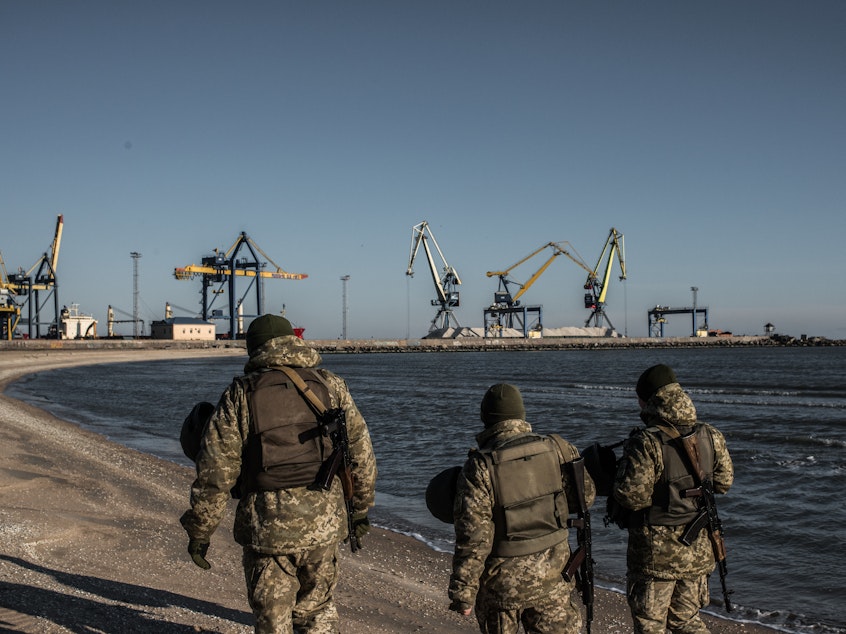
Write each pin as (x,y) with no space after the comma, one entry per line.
(264,328)
(502,402)
(653,379)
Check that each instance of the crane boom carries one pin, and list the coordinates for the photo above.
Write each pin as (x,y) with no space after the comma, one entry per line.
(222,265)
(192,270)
(558,248)
(447,297)
(57,243)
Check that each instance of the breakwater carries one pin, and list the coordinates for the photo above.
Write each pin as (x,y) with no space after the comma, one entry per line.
(462,344)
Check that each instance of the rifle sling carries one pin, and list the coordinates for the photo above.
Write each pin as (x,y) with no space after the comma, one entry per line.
(691,450)
(304,389)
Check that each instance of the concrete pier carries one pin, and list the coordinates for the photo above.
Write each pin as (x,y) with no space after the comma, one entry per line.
(466,344)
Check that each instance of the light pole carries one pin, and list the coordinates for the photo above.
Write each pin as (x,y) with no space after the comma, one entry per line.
(344,309)
(135,257)
(694,289)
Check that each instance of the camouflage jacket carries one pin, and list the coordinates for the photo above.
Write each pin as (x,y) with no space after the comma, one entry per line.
(656,551)
(282,521)
(508,582)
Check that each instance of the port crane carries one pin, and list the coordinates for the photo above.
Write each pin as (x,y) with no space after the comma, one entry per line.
(506,310)
(224,268)
(597,289)
(111,321)
(10,312)
(40,278)
(445,284)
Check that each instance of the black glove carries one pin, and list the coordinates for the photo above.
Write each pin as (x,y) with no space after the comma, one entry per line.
(361,525)
(198,550)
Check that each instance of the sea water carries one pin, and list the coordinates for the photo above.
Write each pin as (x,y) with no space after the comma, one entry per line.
(782,410)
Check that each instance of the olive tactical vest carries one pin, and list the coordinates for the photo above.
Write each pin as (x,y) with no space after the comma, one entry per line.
(669,508)
(285,448)
(530,505)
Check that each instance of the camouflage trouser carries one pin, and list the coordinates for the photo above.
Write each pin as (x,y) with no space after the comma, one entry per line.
(558,613)
(658,605)
(293,591)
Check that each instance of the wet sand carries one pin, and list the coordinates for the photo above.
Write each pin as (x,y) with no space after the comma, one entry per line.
(90,539)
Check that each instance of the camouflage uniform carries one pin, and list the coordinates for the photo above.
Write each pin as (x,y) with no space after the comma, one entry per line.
(667,581)
(290,536)
(508,591)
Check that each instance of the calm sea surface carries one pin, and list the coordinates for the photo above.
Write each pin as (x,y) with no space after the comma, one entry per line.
(783,411)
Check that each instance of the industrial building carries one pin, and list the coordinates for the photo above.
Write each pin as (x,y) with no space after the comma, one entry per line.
(183,329)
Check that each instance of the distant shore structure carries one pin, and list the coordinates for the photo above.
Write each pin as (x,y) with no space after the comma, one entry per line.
(466,344)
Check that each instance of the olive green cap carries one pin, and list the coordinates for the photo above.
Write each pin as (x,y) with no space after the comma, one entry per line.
(502,402)
(653,379)
(264,328)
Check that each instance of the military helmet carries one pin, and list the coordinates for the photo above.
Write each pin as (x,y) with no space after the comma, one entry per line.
(440,494)
(601,464)
(193,427)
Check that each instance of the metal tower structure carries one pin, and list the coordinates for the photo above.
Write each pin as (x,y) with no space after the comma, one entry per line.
(224,268)
(28,285)
(657,317)
(135,257)
(597,289)
(344,310)
(445,284)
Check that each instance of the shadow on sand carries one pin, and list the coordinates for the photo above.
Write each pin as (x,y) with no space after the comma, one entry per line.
(112,606)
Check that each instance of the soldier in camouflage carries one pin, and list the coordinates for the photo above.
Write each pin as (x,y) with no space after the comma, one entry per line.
(290,529)
(510,512)
(667,581)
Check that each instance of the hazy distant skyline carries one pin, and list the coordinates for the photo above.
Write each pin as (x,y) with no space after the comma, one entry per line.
(709,134)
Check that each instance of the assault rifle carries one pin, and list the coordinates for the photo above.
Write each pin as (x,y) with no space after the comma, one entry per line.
(333,423)
(580,564)
(707,516)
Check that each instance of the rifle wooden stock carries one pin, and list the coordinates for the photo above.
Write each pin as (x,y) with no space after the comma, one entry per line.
(347,482)
(718,546)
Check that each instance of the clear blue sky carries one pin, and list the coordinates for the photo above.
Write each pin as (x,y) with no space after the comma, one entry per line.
(710,134)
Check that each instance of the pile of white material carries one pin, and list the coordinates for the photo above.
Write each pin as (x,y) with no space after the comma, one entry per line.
(512,333)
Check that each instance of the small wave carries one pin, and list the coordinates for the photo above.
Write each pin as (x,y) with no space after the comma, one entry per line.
(437,546)
(816,441)
(784,621)
(798,462)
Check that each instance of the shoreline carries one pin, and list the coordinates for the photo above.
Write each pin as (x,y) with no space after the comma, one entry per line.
(90,538)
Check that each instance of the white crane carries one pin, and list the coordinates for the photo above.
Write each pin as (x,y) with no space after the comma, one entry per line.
(445,282)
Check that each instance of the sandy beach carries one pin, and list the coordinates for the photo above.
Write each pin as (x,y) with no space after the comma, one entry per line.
(90,539)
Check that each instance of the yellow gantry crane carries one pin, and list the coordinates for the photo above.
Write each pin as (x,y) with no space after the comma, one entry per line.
(41,277)
(224,268)
(10,312)
(503,294)
(506,310)
(597,289)
(445,284)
